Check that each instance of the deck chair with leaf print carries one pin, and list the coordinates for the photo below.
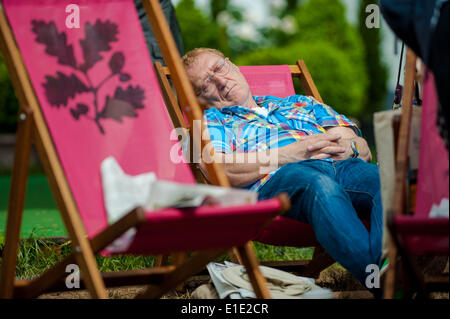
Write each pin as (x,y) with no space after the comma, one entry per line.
(88,92)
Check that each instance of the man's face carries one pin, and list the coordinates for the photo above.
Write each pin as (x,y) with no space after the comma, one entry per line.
(218,82)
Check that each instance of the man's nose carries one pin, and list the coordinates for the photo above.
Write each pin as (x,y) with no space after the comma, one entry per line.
(220,81)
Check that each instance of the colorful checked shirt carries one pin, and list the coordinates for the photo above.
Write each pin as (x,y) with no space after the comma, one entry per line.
(276,123)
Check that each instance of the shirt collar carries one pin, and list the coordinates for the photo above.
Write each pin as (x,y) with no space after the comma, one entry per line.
(237,109)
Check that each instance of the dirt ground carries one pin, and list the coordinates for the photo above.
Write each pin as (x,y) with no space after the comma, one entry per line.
(342,283)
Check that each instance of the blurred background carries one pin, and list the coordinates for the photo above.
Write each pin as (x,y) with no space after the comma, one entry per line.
(354,67)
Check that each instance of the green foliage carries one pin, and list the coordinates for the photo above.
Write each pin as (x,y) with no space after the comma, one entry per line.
(332,70)
(376,70)
(8,101)
(291,5)
(198,30)
(323,20)
(332,50)
(217,7)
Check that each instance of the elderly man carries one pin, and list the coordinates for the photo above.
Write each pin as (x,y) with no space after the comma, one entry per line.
(322,160)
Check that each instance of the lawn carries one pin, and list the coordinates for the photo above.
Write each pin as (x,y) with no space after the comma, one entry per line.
(41,217)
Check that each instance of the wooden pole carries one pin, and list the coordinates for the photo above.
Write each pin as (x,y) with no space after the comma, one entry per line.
(401,169)
(16,202)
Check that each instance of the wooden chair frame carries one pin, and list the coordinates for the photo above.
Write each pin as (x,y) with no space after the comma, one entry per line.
(32,128)
(321,259)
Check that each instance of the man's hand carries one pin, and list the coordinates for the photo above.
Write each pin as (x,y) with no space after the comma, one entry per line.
(328,148)
(317,146)
(334,145)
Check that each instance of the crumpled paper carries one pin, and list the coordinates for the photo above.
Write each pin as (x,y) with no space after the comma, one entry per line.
(441,210)
(123,193)
(281,284)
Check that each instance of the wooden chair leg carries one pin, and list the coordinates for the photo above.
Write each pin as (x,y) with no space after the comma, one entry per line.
(415,278)
(234,256)
(161,260)
(16,203)
(178,260)
(389,288)
(191,266)
(251,264)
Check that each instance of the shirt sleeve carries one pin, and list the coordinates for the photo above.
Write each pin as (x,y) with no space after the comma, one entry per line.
(327,117)
(221,136)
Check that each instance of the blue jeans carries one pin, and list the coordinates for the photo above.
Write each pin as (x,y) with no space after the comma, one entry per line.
(329,196)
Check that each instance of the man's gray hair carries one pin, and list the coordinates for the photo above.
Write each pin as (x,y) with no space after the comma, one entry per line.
(192,55)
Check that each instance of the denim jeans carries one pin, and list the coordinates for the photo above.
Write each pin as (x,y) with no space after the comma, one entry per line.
(330,196)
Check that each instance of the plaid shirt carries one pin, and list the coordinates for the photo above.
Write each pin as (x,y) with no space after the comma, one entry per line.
(237,129)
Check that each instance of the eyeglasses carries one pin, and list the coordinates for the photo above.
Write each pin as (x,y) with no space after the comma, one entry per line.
(221,68)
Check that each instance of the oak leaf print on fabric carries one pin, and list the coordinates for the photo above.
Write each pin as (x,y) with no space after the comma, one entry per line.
(61,89)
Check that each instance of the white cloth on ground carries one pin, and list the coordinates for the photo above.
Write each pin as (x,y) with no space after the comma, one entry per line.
(123,193)
(231,281)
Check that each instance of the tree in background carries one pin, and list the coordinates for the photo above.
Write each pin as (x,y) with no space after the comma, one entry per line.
(376,70)
(282,26)
(199,30)
(323,20)
(291,6)
(217,7)
(243,36)
(331,69)
(331,48)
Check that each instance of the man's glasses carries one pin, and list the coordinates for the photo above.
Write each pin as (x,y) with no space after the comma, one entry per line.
(221,68)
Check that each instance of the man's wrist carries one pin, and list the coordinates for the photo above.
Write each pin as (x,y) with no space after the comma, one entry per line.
(354,149)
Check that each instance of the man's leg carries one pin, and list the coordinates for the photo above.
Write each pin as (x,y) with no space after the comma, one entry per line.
(319,200)
(361,180)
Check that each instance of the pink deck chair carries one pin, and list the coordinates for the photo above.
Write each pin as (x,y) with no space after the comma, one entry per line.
(273,80)
(421,233)
(276,80)
(88,93)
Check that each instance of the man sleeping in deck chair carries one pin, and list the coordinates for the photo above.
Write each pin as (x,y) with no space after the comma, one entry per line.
(322,160)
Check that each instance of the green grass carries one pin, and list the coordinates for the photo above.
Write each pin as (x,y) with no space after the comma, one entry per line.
(38,254)
(38,194)
(276,253)
(41,217)
(37,222)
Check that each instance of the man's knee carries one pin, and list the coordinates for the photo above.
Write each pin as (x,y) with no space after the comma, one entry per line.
(361,172)
(324,187)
